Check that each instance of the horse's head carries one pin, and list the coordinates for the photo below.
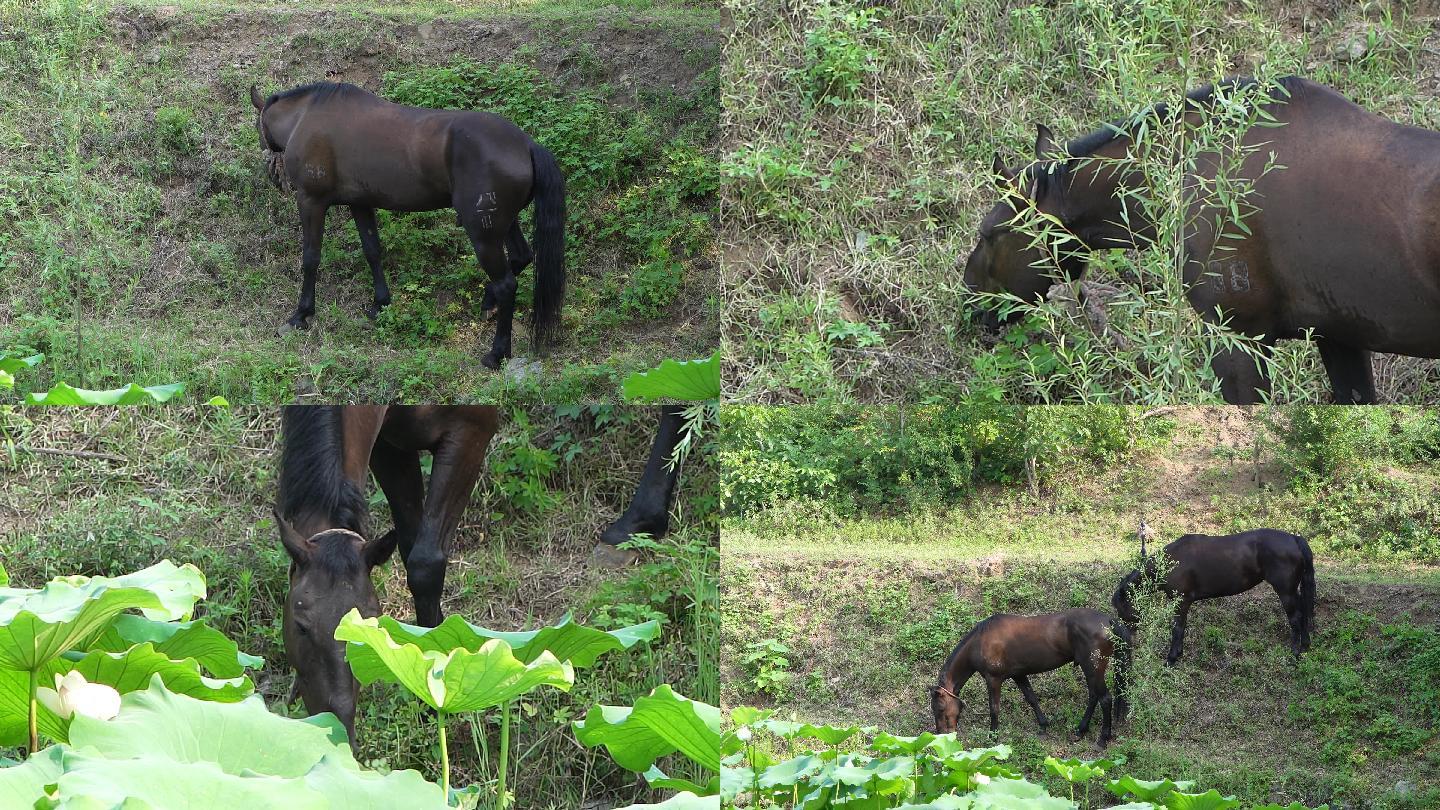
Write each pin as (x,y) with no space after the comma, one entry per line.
(1124,599)
(274,152)
(1016,253)
(329,577)
(946,707)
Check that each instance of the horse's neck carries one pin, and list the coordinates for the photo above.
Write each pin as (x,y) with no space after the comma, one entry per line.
(283,116)
(1096,201)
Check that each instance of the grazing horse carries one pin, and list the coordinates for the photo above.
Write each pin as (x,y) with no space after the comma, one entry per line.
(1006,647)
(323,520)
(1346,241)
(1206,567)
(649,509)
(337,144)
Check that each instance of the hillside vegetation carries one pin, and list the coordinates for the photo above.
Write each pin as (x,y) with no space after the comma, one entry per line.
(859,143)
(146,242)
(840,603)
(109,491)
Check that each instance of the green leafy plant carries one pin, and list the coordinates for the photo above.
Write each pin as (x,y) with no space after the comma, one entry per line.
(659,724)
(690,380)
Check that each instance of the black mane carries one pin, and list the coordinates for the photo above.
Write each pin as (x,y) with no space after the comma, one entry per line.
(1042,174)
(321,90)
(311,480)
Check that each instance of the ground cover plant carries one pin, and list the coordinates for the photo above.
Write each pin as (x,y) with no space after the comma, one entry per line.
(860,142)
(840,601)
(155,248)
(106,492)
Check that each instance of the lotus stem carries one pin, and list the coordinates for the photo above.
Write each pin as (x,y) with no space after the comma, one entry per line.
(504,754)
(34,731)
(444,757)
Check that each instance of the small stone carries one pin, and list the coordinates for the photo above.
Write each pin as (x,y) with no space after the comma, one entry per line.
(1352,48)
(1404,788)
(426,29)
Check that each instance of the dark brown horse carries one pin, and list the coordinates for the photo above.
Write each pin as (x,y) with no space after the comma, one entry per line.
(1346,241)
(1206,567)
(324,523)
(336,144)
(1005,647)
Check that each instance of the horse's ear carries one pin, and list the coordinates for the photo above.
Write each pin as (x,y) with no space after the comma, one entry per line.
(379,550)
(1044,143)
(299,548)
(256,99)
(1004,176)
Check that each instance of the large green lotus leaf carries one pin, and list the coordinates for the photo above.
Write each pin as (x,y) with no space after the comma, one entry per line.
(692,380)
(893,744)
(162,782)
(938,803)
(38,625)
(238,737)
(21,785)
(1144,790)
(660,723)
(452,681)
(791,772)
(1013,794)
(349,789)
(681,801)
(132,394)
(220,656)
(657,779)
(1209,800)
(567,641)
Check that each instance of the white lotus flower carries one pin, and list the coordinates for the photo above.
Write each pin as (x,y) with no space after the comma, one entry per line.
(982,779)
(743,733)
(74,695)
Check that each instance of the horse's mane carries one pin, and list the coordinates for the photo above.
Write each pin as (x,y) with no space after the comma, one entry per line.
(321,91)
(1041,175)
(311,479)
(960,645)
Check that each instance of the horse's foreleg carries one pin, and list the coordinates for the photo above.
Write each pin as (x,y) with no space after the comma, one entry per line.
(1244,380)
(398,474)
(458,461)
(1024,683)
(1352,379)
(370,244)
(994,683)
(312,234)
(1177,634)
(649,509)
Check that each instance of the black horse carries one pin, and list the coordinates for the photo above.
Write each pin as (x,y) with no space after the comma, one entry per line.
(1343,242)
(1005,647)
(1206,567)
(337,144)
(324,523)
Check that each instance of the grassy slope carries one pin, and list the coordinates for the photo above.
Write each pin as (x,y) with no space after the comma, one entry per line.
(142,209)
(848,223)
(870,606)
(196,486)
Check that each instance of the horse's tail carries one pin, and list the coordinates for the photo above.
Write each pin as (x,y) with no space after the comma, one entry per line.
(1122,667)
(549,240)
(1307,583)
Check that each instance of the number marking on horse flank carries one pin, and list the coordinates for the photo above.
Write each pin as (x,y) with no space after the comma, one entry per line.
(486,206)
(1231,275)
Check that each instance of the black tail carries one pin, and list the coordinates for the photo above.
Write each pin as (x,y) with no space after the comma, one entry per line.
(549,240)
(1307,584)
(1122,668)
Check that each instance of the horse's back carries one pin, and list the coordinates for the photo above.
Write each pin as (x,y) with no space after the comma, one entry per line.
(1208,566)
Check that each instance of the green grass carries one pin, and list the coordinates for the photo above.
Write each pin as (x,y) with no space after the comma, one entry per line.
(862,137)
(196,485)
(833,613)
(155,249)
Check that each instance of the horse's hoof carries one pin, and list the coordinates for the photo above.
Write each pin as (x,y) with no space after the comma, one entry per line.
(608,556)
(491,362)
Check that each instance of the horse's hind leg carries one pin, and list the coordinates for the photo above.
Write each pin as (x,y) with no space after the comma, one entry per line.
(370,244)
(490,250)
(1290,602)
(1352,379)
(1024,683)
(520,255)
(312,234)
